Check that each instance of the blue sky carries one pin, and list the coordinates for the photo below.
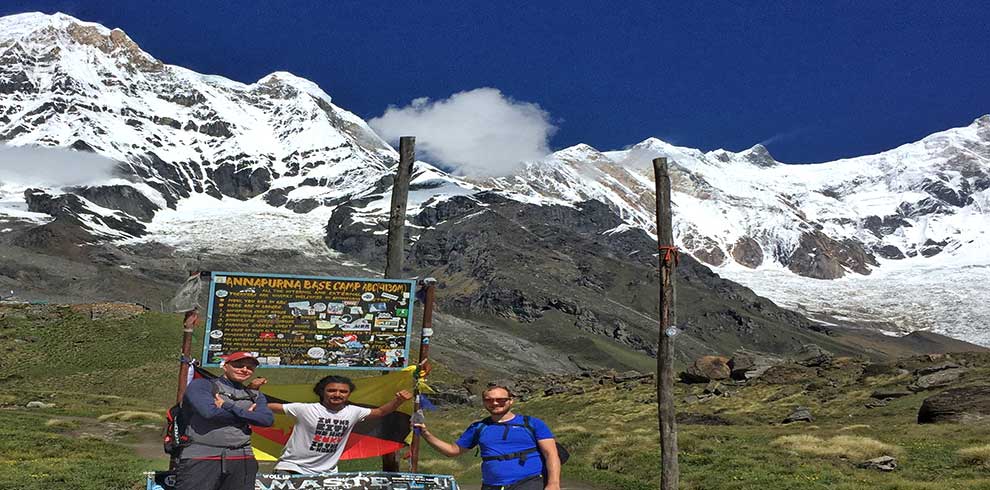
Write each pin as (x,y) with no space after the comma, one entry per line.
(814,81)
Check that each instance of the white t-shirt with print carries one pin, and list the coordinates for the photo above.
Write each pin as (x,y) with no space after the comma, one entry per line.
(319,436)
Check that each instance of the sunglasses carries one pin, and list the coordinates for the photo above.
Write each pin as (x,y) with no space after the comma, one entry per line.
(239,365)
(496,400)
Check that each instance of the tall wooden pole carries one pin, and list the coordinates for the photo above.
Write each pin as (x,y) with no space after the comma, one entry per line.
(188,325)
(669,471)
(397,213)
(396,247)
(424,355)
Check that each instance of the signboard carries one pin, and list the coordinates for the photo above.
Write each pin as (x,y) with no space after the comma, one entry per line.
(165,480)
(310,322)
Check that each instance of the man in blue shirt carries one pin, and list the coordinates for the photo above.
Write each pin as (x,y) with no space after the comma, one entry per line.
(219,411)
(518,452)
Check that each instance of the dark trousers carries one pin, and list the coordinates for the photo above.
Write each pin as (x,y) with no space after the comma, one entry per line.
(216,474)
(531,483)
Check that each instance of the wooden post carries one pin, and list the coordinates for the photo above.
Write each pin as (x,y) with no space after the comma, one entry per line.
(424,355)
(395,252)
(396,248)
(188,324)
(669,471)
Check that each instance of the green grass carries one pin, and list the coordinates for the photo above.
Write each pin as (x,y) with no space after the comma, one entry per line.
(119,369)
(35,456)
(635,360)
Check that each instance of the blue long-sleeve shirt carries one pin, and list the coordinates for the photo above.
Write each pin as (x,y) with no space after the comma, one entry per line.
(222,430)
(199,395)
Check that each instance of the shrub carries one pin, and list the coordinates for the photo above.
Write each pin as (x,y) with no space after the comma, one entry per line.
(127,416)
(62,424)
(975,456)
(844,447)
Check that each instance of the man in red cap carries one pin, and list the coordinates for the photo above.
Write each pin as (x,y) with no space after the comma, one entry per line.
(219,412)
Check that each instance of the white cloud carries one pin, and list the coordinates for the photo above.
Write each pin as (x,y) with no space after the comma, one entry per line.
(52,167)
(785,136)
(478,132)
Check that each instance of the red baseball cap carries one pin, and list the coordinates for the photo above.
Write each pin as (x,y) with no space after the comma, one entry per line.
(237,356)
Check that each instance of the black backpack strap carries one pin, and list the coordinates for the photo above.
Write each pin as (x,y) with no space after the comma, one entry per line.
(480,424)
(532,431)
(562,453)
(520,455)
(252,394)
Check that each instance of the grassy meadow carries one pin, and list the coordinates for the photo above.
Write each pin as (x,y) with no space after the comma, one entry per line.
(106,382)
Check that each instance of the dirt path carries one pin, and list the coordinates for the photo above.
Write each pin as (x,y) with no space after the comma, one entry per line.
(148,444)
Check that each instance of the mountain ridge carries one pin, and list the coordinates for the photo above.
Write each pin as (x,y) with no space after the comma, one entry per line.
(202,157)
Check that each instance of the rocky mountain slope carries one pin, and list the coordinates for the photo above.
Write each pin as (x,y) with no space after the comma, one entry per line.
(272,176)
(903,230)
(822,220)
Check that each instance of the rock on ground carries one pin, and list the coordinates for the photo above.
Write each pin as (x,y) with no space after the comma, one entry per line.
(967,404)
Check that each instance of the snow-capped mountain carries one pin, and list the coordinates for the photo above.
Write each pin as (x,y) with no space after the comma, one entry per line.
(906,230)
(206,162)
(177,133)
(820,220)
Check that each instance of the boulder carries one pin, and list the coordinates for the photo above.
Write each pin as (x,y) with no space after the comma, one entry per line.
(966,404)
(812,355)
(877,403)
(881,369)
(631,376)
(690,400)
(785,374)
(746,365)
(714,388)
(936,368)
(37,404)
(883,463)
(800,414)
(937,380)
(707,368)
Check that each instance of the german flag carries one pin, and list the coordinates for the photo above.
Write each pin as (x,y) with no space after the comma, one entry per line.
(369,438)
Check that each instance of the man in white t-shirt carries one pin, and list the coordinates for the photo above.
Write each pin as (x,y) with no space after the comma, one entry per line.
(321,429)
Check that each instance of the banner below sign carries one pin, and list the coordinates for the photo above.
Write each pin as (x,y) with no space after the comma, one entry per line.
(165,480)
(309,321)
